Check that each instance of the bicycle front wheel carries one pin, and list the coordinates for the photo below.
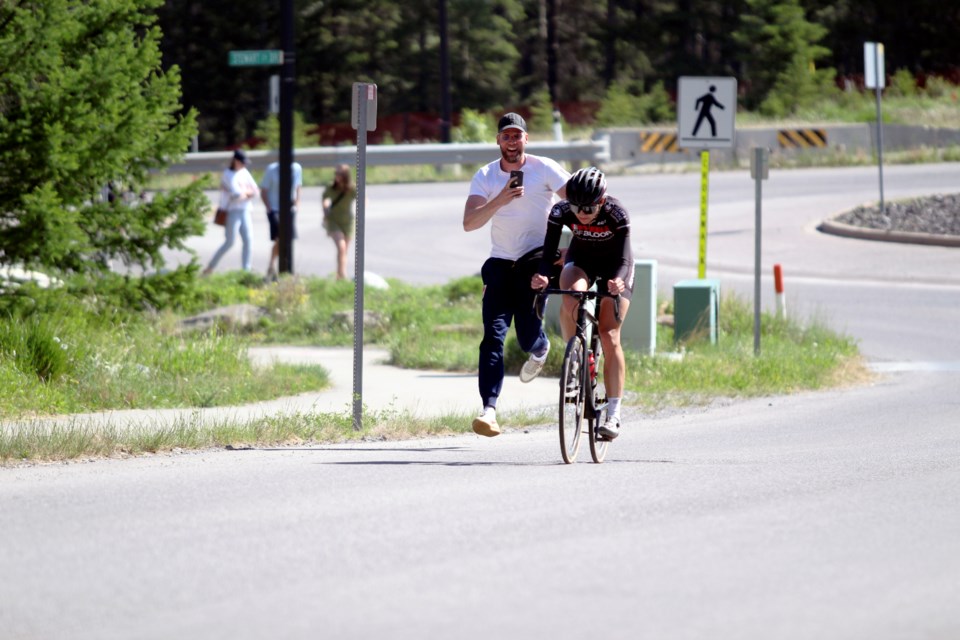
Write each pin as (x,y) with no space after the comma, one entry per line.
(572,396)
(598,408)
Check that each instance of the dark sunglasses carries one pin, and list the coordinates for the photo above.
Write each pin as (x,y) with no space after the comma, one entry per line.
(585,210)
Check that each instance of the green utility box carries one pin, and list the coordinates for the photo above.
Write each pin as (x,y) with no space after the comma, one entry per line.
(696,310)
(639,329)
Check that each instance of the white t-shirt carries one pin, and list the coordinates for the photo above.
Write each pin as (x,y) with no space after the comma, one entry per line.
(232,185)
(520,226)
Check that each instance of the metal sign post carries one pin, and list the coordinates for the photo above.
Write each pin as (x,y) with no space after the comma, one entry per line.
(287,84)
(759,171)
(363,118)
(281,101)
(706,115)
(875,78)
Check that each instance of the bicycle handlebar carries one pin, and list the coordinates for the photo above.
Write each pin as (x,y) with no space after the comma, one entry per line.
(582,296)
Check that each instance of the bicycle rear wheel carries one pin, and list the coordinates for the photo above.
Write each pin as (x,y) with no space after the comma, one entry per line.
(572,397)
(598,408)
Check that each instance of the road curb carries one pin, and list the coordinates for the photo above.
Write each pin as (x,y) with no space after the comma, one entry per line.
(833,227)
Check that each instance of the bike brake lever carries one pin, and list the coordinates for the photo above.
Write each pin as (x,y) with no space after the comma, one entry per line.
(539,302)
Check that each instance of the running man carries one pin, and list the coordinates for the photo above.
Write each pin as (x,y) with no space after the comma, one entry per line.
(518,221)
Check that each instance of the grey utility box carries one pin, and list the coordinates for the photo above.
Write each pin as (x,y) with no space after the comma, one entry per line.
(696,310)
(639,330)
(551,316)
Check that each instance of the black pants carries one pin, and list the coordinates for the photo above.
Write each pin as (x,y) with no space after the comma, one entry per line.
(507,297)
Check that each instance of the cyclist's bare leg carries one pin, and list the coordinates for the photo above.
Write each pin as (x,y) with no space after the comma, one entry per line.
(614,367)
(572,277)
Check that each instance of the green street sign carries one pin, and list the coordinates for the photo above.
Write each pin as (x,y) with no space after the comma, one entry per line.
(263,58)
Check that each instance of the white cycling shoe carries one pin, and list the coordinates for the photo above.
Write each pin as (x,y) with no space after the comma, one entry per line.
(610,429)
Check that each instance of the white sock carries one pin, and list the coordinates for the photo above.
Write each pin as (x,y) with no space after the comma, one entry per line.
(489,412)
(613,407)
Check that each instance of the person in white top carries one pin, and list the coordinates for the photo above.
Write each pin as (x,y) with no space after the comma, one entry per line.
(237,190)
(514,194)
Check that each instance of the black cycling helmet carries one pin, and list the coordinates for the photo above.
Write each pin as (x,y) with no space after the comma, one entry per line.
(586,187)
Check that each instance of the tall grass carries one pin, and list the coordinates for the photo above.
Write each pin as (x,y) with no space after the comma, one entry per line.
(35,347)
(794,356)
(134,366)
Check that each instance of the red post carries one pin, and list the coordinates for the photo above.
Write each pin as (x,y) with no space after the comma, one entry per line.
(778,287)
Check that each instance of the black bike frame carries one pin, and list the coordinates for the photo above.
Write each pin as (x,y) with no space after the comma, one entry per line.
(591,410)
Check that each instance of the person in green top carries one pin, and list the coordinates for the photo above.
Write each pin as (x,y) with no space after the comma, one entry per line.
(339,200)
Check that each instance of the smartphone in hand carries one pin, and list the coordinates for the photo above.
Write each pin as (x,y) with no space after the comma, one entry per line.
(516,179)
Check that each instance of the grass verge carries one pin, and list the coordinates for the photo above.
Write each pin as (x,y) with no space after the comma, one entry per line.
(89,438)
(151,363)
(136,367)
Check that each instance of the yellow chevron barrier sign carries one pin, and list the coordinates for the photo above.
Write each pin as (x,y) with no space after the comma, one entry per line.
(653,142)
(802,138)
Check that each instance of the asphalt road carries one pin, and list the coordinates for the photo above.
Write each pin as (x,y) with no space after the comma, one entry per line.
(828,515)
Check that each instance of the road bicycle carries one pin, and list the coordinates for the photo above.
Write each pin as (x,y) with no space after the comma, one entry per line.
(583,395)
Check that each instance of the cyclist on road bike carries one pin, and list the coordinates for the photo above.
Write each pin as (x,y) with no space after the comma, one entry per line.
(599,253)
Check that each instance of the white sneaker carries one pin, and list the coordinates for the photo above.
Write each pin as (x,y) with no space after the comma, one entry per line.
(534,365)
(611,428)
(485,424)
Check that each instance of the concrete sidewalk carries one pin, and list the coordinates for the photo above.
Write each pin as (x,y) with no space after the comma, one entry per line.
(385,388)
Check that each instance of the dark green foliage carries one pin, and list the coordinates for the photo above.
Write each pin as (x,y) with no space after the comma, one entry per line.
(902,84)
(919,35)
(500,54)
(783,50)
(626,104)
(197,37)
(124,294)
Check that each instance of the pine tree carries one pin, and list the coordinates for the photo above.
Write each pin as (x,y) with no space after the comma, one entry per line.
(86,113)
(780,49)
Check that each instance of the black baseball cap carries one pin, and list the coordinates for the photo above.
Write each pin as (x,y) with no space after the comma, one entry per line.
(512,121)
(240,155)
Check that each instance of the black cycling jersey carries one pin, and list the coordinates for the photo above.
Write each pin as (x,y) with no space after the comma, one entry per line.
(601,248)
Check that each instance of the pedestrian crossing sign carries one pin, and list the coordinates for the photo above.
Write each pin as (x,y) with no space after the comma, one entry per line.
(706,112)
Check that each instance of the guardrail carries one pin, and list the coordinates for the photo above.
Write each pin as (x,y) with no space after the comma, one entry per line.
(586,151)
(641,146)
